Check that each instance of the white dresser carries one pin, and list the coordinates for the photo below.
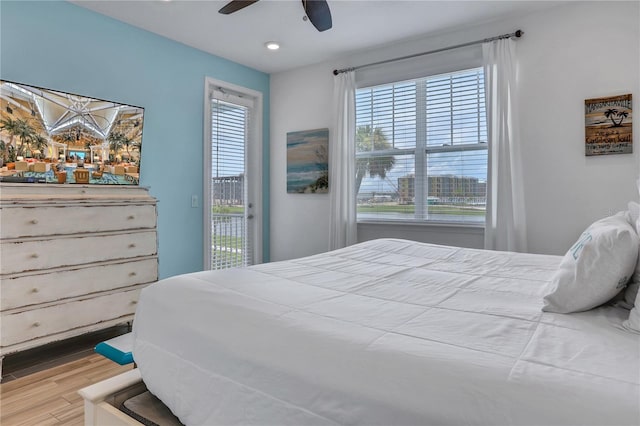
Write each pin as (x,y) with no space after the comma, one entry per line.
(73,259)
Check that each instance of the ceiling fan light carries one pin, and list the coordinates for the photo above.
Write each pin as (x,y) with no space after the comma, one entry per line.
(272,45)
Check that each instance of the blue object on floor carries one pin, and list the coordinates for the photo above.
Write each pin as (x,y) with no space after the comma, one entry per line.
(119,349)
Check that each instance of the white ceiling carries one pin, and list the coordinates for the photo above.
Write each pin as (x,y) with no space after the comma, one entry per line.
(357,25)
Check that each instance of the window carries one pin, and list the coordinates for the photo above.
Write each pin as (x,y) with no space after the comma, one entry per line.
(421,149)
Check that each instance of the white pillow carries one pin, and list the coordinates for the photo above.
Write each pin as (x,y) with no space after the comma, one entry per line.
(633,214)
(596,267)
(633,323)
(631,295)
(631,291)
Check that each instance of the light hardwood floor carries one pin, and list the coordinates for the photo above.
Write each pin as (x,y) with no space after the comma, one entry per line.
(50,397)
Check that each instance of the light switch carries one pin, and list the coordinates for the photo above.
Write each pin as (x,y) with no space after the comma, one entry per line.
(194,201)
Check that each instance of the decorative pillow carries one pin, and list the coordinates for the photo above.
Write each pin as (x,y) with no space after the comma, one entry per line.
(596,267)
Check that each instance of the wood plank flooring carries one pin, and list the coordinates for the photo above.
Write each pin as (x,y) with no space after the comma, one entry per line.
(49,397)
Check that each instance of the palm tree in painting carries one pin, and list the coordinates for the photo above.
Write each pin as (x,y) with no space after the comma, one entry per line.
(367,140)
(116,142)
(622,115)
(611,114)
(126,142)
(38,142)
(10,126)
(24,132)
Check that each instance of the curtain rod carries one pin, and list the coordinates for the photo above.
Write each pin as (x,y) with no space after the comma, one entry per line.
(516,34)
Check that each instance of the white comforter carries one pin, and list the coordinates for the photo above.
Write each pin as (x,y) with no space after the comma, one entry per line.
(386,332)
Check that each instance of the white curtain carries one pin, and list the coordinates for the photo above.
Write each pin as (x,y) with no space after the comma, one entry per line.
(342,160)
(505,221)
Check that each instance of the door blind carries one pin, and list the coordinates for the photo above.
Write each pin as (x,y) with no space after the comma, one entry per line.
(231,244)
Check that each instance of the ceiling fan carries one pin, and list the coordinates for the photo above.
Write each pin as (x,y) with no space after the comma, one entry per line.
(316,10)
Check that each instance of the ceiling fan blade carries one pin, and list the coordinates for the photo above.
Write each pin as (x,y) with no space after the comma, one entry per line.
(318,13)
(235,5)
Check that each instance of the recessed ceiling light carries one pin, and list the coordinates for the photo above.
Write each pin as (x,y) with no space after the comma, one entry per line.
(272,45)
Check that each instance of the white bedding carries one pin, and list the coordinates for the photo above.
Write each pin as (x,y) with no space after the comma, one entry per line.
(385,332)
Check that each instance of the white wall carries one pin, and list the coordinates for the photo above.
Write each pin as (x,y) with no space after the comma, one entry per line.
(567,57)
(299,222)
(568,54)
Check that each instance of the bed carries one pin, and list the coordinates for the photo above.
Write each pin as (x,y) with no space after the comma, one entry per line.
(385,332)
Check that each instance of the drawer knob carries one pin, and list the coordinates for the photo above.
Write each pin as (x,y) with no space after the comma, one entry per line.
(132,274)
(36,324)
(134,302)
(132,245)
(33,221)
(35,290)
(34,256)
(131,217)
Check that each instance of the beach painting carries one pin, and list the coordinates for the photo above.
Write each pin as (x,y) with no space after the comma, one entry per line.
(608,127)
(308,162)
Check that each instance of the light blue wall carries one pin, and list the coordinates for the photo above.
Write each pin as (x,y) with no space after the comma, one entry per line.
(61,46)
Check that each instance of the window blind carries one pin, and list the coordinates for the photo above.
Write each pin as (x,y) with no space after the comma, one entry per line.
(422,149)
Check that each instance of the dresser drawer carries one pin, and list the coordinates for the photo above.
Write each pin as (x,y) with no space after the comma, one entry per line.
(28,325)
(17,222)
(32,254)
(39,287)
(52,193)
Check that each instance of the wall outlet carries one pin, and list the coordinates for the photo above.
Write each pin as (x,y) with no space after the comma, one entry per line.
(194,201)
